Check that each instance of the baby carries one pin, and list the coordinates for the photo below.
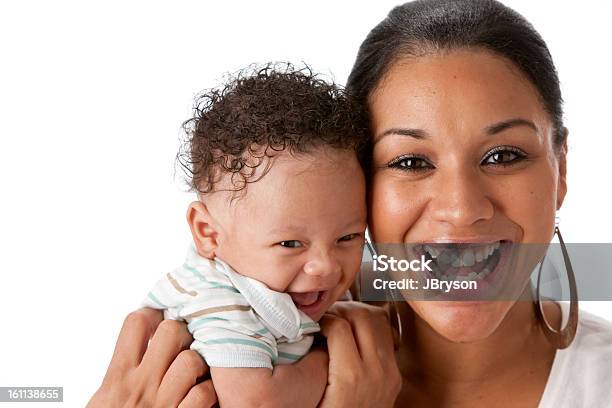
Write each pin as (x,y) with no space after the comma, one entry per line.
(276,158)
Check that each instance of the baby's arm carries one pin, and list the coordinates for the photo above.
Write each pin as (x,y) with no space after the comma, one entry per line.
(301,384)
(242,352)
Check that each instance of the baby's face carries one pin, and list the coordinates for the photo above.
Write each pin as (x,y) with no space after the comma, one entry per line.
(300,229)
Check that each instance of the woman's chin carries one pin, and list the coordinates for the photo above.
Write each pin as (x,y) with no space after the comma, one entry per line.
(462,321)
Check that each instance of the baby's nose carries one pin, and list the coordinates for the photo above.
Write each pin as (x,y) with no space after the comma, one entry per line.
(322,265)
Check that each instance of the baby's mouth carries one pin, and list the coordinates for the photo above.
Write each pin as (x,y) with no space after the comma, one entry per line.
(305,298)
(311,303)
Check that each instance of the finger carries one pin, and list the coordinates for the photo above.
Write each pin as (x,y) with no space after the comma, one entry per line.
(201,395)
(182,375)
(375,340)
(341,344)
(372,332)
(132,342)
(170,338)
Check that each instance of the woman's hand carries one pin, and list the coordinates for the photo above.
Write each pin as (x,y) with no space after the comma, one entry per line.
(362,367)
(159,373)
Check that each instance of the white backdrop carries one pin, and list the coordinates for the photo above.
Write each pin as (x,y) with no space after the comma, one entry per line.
(92,95)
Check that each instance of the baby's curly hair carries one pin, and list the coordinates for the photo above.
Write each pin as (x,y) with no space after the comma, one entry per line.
(261,111)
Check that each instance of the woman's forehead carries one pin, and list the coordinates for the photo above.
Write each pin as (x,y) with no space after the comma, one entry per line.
(458,88)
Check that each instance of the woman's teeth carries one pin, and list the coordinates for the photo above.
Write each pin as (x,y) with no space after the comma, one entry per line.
(464,257)
(447,257)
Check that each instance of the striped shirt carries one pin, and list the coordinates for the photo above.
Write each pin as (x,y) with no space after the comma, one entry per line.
(235,321)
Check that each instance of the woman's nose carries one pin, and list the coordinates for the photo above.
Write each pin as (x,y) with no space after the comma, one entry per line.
(322,264)
(461,198)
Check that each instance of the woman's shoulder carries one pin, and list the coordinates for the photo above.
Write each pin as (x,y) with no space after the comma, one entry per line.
(580,375)
(594,333)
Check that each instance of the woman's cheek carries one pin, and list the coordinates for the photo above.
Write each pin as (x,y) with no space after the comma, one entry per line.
(529,201)
(392,209)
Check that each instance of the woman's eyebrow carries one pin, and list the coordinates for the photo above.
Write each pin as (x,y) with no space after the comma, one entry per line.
(415,133)
(489,130)
(506,124)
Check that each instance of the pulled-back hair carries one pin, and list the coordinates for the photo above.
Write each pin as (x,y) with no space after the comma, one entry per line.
(261,111)
(424,27)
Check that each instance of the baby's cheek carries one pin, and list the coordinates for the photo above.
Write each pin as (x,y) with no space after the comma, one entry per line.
(356,266)
(282,276)
(276,273)
(350,269)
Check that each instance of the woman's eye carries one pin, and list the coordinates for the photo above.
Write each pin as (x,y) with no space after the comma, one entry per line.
(291,244)
(504,157)
(413,163)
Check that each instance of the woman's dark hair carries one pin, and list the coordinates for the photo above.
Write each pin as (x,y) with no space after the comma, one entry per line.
(424,26)
(260,111)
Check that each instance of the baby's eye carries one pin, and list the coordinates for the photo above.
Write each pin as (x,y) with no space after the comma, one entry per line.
(291,244)
(348,237)
(504,156)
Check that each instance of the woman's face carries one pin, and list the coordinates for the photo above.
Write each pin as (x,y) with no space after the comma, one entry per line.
(463,153)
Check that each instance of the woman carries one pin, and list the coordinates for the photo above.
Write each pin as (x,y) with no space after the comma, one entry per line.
(469,147)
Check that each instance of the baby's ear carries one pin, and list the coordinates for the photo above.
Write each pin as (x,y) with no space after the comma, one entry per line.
(204,233)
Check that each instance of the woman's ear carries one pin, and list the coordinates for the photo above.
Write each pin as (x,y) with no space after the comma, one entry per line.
(203,231)
(562,160)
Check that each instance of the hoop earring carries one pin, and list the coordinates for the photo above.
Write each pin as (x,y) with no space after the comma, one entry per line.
(563,338)
(398,337)
(397,327)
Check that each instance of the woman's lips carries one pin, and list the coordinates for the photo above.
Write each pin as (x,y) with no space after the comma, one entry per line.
(481,261)
(310,303)
(489,286)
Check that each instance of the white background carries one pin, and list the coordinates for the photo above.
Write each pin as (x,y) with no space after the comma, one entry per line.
(92,96)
